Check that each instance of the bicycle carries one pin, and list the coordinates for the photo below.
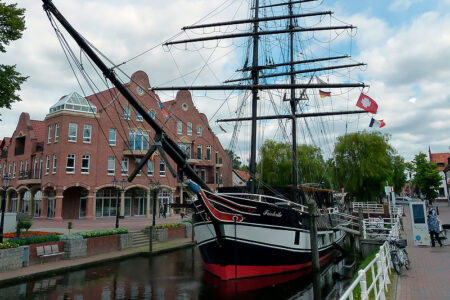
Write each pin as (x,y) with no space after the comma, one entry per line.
(399,256)
(444,235)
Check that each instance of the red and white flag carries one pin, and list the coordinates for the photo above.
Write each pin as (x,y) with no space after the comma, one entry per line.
(367,103)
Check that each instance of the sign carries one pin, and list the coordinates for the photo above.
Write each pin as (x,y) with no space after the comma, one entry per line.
(387,189)
(419,224)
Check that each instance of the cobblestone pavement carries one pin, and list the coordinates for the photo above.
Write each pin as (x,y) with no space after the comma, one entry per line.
(429,276)
(132,223)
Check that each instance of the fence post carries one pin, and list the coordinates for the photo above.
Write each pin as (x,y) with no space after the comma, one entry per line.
(363,285)
(380,275)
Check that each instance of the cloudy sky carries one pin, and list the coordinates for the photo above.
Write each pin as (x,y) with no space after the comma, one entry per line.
(404,43)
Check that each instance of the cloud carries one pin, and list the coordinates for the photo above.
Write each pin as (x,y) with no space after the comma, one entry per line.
(399,5)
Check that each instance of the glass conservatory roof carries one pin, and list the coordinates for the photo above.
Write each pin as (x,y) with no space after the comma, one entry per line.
(73,102)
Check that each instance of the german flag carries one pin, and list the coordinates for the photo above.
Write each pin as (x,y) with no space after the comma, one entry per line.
(324,94)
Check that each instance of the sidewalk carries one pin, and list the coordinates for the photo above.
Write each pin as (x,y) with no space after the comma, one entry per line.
(429,276)
(23,274)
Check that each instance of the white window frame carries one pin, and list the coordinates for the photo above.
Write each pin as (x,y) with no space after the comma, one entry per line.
(151,113)
(199,152)
(54,164)
(125,166)
(47,164)
(71,169)
(208,150)
(217,157)
(34,168)
(199,131)
(144,140)
(49,137)
(179,127)
(56,132)
(111,141)
(21,169)
(86,138)
(137,161)
(111,168)
(151,171)
(14,169)
(139,117)
(126,113)
(162,168)
(189,128)
(84,158)
(72,138)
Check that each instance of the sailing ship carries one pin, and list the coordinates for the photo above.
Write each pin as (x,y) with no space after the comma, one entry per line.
(250,233)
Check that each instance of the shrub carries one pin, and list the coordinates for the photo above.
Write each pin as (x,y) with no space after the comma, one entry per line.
(24,224)
(97,233)
(35,239)
(169,225)
(75,236)
(8,244)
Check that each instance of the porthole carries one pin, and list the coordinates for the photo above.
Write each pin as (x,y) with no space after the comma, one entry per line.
(184,106)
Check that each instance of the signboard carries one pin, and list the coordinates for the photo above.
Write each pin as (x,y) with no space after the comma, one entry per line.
(419,224)
(387,189)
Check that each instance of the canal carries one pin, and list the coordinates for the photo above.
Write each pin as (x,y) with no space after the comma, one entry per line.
(175,275)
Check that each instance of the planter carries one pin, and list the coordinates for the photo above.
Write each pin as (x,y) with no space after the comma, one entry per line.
(11,259)
(176,233)
(102,244)
(188,229)
(160,235)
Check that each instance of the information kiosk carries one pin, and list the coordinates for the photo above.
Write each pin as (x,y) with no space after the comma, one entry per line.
(419,224)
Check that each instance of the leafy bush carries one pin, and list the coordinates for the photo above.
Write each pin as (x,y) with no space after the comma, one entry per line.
(8,244)
(35,239)
(24,224)
(96,233)
(66,237)
(169,225)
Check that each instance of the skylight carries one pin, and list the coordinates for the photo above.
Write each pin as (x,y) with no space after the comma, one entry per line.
(74,102)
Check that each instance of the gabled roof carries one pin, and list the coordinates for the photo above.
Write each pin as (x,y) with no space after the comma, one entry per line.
(242,174)
(440,158)
(39,129)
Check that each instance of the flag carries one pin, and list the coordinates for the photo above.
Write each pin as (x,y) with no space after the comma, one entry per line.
(222,128)
(320,81)
(367,103)
(377,123)
(324,94)
(164,112)
(152,157)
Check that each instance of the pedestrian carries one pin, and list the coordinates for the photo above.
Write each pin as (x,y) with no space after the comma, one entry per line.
(433,228)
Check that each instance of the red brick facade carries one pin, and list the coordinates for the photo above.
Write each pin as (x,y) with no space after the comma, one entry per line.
(65,171)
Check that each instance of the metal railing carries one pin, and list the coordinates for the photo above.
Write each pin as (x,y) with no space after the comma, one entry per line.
(381,228)
(374,278)
(368,207)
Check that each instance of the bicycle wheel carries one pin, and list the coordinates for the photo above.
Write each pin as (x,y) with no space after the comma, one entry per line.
(396,263)
(406,261)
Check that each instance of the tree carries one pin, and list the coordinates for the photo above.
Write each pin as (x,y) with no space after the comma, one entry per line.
(12,23)
(398,178)
(363,163)
(234,158)
(275,165)
(426,176)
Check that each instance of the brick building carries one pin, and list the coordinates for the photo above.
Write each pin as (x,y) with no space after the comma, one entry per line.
(441,160)
(63,167)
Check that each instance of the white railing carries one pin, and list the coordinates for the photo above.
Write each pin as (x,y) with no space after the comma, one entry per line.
(381,228)
(368,207)
(396,210)
(345,220)
(376,283)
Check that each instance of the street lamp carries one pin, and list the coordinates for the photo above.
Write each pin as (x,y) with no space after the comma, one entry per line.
(5,185)
(114,183)
(155,189)
(123,182)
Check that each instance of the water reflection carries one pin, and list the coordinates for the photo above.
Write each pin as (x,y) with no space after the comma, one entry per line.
(177,275)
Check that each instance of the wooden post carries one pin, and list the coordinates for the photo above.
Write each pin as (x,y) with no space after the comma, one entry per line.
(312,209)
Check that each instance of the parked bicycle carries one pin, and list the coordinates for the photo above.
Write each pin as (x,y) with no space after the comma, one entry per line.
(399,256)
(444,234)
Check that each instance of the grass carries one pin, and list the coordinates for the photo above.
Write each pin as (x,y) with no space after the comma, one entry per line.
(369,279)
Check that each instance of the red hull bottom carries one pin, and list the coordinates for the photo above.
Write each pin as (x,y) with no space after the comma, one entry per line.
(236,272)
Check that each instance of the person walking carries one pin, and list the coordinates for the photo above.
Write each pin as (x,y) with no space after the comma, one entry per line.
(433,228)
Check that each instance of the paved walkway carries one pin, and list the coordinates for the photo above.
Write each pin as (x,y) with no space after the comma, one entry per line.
(429,276)
(132,223)
(64,265)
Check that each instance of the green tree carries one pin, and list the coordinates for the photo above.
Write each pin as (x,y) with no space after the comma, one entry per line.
(275,165)
(398,179)
(426,176)
(12,23)
(234,158)
(363,163)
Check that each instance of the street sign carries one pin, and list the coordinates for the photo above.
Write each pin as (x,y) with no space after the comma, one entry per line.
(387,189)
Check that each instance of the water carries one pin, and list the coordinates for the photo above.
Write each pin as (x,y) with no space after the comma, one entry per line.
(176,275)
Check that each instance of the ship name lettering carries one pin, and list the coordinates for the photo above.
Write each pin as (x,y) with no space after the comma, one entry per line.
(272,213)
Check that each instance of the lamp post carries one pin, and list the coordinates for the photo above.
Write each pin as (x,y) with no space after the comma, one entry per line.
(114,183)
(155,190)
(123,182)
(5,185)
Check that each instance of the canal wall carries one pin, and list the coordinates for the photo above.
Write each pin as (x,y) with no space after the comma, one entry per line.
(11,259)
(102,244)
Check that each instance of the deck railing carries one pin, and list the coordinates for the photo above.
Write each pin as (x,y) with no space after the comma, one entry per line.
(368,207)
(381,228)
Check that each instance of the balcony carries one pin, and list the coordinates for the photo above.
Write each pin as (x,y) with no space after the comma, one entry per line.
(26,177)
(127,151)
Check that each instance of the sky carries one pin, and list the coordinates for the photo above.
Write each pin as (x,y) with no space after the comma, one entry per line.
(404,43)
